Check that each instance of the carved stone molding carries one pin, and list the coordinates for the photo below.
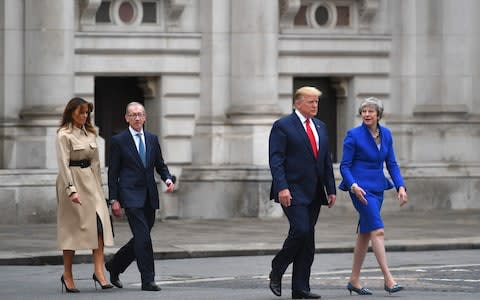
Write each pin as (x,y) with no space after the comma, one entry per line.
(89,10)
(175,9)
(340,85)
(288,11)
(367,10)
(148,86)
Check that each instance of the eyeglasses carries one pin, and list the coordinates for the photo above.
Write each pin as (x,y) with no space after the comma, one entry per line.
(140,115)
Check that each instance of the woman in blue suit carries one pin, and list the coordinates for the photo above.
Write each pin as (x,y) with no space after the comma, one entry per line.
(365,150)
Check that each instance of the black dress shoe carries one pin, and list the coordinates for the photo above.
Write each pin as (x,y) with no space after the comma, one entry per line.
(275,284)
(113,276)
(304,295)
(151,286)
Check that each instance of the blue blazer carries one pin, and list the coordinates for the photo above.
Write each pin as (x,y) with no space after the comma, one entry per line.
(293,164)
(362,161)
(128,180)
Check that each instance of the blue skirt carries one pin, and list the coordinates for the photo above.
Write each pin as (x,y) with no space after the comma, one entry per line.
(370,218)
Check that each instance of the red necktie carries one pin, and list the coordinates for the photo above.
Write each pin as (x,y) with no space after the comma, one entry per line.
(311,137)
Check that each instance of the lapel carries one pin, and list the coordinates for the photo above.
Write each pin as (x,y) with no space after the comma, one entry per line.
(148,147)
(133,148)
(302,132)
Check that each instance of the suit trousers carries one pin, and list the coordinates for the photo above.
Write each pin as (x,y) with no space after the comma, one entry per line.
(299,246)
(139,247)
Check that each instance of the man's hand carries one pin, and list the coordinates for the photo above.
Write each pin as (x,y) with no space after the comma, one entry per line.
(285,198)
(331,200)
(116,208)
(170,186)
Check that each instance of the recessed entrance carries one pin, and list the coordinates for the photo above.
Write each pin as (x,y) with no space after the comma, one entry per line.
(112,94)
(327,106)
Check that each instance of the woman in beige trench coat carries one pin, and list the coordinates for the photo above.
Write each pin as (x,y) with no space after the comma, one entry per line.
(83,221)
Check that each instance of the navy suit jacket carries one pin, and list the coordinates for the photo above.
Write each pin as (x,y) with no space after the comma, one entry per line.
(128,180)
(293,164)
(362,161)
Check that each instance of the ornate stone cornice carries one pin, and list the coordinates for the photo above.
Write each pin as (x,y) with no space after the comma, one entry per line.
(175,9)
(89,10)
(367,10)
(288,10)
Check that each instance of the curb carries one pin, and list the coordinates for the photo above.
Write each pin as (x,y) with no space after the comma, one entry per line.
(405,246)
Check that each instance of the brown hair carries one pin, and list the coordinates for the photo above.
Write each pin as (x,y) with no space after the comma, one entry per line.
(72,105)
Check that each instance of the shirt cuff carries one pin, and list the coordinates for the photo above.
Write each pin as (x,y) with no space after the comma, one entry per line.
(70,190)
(352,186)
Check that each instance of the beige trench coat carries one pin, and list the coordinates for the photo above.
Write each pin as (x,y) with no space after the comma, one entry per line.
(77,224)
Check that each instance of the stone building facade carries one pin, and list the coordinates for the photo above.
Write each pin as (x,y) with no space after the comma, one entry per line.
(214,75)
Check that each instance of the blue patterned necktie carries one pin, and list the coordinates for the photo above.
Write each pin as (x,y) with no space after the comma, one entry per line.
(141,149)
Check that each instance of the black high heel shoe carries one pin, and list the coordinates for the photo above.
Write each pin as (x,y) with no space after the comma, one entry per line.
(360,291)
(62,281)
(395,288)
(104,287)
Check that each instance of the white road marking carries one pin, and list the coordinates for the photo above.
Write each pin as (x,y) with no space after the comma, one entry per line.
(321,275)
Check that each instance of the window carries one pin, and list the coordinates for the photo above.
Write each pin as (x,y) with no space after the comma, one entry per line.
(149,12)
(103,13)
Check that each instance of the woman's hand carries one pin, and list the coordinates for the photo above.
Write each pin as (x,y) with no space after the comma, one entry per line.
(360,193)
(402,196)
(75,198)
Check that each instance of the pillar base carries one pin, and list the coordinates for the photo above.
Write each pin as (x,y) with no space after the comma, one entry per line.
(211,192)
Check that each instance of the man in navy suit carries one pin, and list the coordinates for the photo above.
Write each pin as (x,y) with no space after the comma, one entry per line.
(301,168)
(134,155)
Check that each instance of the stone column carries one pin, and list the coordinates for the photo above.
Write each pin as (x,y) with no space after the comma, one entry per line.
(435,121)
(229,176)
(207,144)
(48,81)
(254,79)
(11,72)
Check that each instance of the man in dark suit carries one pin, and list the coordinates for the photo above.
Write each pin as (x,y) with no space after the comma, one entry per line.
(301,168)
(134,155)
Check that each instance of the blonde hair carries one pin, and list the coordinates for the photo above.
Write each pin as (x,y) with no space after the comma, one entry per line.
(306,91)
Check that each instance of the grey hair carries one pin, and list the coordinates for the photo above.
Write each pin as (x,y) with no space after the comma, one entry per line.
(372,101)
(133,103)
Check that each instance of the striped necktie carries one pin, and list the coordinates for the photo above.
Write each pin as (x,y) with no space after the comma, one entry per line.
(141,149)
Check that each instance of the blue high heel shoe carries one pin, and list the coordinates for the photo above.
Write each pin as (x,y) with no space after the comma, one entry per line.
(395,288)
(360,291)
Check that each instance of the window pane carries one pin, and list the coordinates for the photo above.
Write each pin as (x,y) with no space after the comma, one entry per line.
(103,13)
(149,12)
(321,15)
(343,16)
(301,16)
(126,12)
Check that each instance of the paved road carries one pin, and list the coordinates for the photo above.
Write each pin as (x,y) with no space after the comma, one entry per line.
(426,275)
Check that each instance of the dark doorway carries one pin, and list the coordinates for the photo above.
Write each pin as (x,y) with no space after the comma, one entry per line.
(327,106)
(112,94)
